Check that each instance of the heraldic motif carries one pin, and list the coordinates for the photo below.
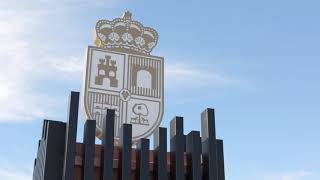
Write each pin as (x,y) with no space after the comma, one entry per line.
(122,75)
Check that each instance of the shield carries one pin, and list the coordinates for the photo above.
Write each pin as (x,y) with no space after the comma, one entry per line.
(129,83)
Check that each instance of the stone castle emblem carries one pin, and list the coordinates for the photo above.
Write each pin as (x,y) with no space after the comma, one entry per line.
(122,75)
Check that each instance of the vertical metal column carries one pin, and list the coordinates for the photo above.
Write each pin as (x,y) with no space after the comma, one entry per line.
(143,154)
(71,135)
(107,145)
(125,151)
(89,149)
(177,144)
(221,173)
(193,146)
(51,151)
(209,149)
(160,153)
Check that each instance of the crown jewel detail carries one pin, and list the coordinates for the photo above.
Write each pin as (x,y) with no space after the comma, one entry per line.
(125,33)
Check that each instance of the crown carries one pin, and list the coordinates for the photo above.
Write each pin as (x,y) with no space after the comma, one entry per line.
(125,34)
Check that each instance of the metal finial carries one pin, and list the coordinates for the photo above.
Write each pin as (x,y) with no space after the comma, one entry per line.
(127,15)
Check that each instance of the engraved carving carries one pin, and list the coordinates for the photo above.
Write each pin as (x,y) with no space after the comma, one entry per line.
(125,34)
(107,69)
(141,110)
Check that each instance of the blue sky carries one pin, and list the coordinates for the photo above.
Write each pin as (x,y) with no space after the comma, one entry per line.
(256,62)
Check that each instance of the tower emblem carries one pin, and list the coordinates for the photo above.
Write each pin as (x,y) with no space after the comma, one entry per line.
(122,75)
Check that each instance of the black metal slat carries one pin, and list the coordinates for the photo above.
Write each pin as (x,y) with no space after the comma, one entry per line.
(125,151)
(53,148)
(64,136)
(160,153)
(71,135)
(221,173)
(143,151)
(193,148)
(89,149)
(209,149)
(177,144)
(107,145)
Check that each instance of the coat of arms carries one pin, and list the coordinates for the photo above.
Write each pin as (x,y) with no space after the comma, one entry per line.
(122,75)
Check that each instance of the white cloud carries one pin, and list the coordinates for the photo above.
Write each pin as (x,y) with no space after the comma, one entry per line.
(14,174)
(69,65)
(21,105)
(188,75)
(294,175)
(61,4)
(15,65)
(22,59)
(19,99)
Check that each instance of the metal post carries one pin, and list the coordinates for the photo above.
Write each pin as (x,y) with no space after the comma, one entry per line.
(160,153)
(143,153)
(221,173)
(193,146)
(125,151)
(209,149)
(89,149)
(107,145)
(71,135)
(177,144)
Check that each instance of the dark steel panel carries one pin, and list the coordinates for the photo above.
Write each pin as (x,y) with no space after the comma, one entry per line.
(193,146)
(143,148)
(177,143)
(107,145)
(160,152)
(209,149)
(50,156)
(89,149)
(55,150)
(125,151)
(71,135)
(221,173)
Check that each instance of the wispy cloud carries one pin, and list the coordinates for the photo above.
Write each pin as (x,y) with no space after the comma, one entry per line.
(14,174)
(191,76)
(16,65)
(61,4)
(293,175)
(25,63)
(23,60)
(21,66)
(70,64)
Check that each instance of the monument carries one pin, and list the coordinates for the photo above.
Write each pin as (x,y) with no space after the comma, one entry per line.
(123,105)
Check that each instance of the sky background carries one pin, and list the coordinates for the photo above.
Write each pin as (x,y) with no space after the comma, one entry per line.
(256,62)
